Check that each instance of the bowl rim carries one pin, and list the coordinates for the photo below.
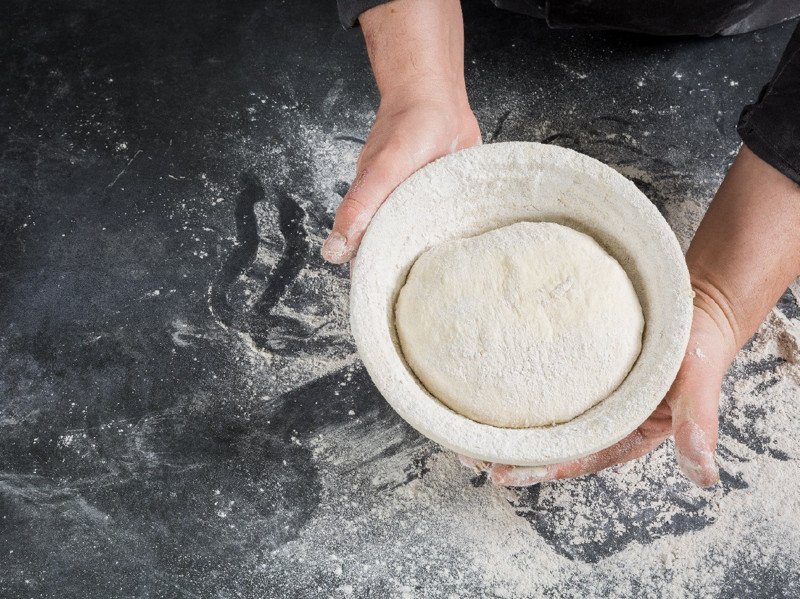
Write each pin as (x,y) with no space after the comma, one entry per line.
(388,250)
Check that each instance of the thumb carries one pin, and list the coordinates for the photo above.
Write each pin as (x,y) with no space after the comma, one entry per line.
(373,183)
(694,402)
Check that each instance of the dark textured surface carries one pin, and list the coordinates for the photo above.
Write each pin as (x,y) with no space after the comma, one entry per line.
(181,410)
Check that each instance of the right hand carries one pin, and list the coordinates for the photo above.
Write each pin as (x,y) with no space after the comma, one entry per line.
(408,133)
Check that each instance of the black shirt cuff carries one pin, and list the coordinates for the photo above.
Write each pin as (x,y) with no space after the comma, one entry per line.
(771,126)
(350,9)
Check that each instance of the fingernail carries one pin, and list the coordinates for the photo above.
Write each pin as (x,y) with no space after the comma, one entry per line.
(701,469)
(472,463)
(519,476)
(335,248)
(694,452)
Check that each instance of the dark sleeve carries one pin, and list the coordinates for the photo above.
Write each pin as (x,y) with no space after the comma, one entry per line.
(350,9)
(771,126)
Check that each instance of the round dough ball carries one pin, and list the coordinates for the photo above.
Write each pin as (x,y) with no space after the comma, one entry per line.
(527,325)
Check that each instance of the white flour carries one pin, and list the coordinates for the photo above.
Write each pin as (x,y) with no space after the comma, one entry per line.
(373,535)
(396,512)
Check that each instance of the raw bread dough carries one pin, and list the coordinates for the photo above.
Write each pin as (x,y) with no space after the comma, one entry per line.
(491,186)
(524,326)
(494,185)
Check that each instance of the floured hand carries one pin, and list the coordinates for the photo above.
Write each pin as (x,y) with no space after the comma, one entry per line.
(743,257)
(689,412)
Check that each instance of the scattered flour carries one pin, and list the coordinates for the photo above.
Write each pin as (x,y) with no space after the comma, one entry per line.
(387,532)
(396,512)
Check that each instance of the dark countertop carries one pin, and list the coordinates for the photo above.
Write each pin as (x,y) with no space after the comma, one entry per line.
(182,413)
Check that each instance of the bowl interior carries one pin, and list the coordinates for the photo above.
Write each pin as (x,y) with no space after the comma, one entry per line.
(487,187)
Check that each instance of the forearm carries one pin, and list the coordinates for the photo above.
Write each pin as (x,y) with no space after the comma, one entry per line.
(747,249)
(416,48)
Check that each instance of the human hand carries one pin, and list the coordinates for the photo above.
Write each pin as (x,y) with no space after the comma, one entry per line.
(743,256)
(416,48)
(408,133)
(689,411)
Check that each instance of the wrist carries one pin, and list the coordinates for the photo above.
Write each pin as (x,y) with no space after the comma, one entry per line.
(428,91)
(721,318)
(745,252)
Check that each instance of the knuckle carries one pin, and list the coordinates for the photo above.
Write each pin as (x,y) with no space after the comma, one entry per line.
(393,153)
(353,216)
(352,205)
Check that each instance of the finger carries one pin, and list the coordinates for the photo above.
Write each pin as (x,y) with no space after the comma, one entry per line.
(473,464)
(640,442)
(373,183)
(467,141)
(518,476)
(694,399)
(635,445)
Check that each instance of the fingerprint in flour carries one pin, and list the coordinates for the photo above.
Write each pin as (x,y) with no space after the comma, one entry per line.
(273,286)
